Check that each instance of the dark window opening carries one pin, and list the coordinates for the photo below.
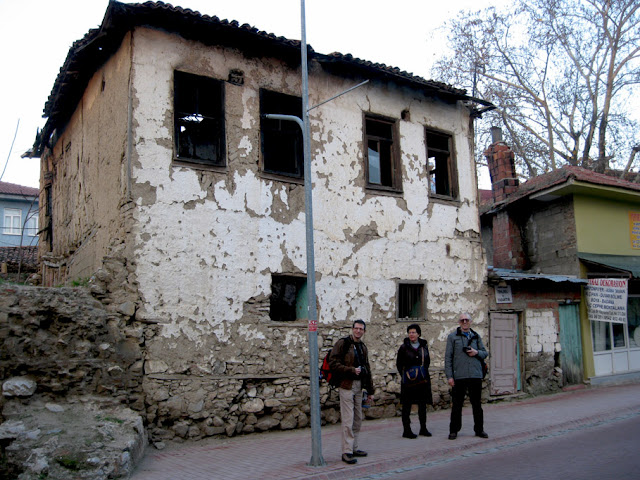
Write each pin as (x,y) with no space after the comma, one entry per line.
(282,149)
(410,300)
(440,165)
(382,169)
(288,301)
(199,119)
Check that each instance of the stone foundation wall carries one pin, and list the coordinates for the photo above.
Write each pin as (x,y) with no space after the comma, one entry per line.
(69,343)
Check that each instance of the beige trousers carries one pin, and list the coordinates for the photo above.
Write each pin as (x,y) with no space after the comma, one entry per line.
(351,416)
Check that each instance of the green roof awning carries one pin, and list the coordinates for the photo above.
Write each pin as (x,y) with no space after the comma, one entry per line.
(625,263)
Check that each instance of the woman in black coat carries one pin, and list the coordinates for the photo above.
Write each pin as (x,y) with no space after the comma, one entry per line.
(416,383)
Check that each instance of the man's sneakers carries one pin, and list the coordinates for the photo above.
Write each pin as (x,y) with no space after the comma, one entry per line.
(360,453)
(453,436)
(424,432)
(348,458)
(409,434)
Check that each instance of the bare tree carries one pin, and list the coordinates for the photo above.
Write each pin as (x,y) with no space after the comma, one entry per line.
(562,74)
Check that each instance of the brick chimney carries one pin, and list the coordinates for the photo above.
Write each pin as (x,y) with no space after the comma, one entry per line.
(508,248)
(502,169)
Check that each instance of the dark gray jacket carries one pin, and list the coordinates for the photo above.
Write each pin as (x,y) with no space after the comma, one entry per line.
(457,364)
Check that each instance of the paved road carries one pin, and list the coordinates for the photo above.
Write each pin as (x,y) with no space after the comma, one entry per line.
(602,450)
(513,428)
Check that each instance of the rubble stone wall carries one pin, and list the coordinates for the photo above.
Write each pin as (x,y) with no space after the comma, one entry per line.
(69,343)
(78,341)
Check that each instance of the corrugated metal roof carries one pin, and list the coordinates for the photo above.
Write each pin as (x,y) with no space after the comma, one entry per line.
(626,263)
(513,275)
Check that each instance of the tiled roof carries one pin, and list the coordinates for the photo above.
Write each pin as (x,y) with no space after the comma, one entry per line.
(13,189)
(562,175)
(13,255)
(94,49)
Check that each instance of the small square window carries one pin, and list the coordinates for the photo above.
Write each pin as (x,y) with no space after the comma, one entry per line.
(282,149)
(288,301)
(441,165)
(382,166)
(199,119)
(410,301)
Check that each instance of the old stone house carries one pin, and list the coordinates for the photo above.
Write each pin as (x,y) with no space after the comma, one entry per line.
(156,158)
(545,239)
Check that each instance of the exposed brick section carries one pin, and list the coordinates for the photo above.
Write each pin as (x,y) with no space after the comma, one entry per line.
(508,251)
(502,169)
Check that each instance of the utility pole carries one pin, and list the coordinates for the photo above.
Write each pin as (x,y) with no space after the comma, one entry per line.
(314,378)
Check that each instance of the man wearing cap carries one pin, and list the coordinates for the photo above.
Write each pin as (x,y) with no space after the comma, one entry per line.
(463,367)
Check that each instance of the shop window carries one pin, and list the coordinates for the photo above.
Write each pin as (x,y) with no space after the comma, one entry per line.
(199,119)
(288,300)
(282,149)
(383,169)
(441,165)
(410,301)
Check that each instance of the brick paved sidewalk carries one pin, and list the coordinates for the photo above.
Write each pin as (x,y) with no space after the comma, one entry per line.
(284,455)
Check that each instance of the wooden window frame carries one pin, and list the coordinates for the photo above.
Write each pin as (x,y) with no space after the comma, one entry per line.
(390,169)
(199,119)
(443,173)
(281,141)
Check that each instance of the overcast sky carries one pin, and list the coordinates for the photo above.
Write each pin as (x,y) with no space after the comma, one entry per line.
(36,35)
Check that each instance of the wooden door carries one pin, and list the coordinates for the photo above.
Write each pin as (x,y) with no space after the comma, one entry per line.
(571,342)
(503,354)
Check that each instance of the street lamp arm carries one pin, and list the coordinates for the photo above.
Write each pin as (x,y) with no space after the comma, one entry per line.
(277,116)
(338,95)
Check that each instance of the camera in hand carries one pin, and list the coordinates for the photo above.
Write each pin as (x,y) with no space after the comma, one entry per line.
(466,350)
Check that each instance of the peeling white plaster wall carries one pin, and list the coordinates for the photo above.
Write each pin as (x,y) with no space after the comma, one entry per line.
(210,241)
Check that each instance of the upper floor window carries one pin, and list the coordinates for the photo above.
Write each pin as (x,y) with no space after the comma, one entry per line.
(199,119)
(383,168)
(31,228)
(282,149)
(441,165)
(12,221)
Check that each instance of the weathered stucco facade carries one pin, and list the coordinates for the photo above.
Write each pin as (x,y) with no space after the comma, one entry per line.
(201,244)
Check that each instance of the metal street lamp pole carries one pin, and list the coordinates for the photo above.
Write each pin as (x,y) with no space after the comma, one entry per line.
(316,439)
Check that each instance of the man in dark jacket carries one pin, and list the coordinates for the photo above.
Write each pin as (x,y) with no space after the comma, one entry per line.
(349,360)
(463,367)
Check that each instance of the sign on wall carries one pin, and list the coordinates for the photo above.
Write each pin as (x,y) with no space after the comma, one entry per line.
(503,294)
(634,229)
(607,299)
